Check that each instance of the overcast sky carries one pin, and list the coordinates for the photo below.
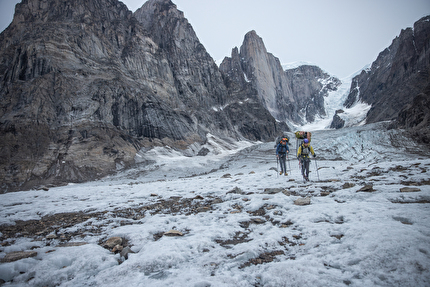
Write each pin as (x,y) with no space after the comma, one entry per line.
(340,36)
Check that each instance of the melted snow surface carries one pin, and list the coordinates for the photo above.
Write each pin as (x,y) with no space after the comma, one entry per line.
(346,238)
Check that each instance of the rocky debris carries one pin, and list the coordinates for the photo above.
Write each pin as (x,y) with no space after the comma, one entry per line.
(409,189)
(49,226)
(303,201)
(117,245)
(263,258)
(238,238)
(18,255)
(112,242)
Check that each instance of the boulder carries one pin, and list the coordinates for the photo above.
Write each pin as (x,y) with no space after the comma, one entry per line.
(112,242)
(366,188)
(303,201)
(173,233)
(409,189)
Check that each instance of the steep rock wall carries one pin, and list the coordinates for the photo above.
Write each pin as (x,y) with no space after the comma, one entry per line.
(397,76)
(85,84)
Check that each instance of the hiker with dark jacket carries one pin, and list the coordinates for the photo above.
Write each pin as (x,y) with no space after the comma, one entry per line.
(281,153)
(303,153)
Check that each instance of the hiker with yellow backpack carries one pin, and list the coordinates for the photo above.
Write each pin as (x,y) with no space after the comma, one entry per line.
(303,152)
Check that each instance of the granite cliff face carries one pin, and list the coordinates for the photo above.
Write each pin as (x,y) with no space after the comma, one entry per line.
(398,75)
(85,84)
(294,95)
(415,117)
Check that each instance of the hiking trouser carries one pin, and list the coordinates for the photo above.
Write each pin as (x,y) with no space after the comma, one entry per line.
(282,159)
(305,161)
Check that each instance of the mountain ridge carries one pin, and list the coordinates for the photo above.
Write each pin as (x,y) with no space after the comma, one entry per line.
(85,85)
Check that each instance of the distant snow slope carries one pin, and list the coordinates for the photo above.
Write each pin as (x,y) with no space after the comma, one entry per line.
(238,218)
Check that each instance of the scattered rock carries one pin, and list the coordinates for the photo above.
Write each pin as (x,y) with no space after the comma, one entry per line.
(52,236)
(227,175)
(338,236)
(238,238)
(258,220)
(18,255)
(112,242)
(409,189)
(203,209)
(173,233)
(366,188)
(303,201)
(273,190)
(348,185)
(236,190)
(286,192)
(262,258)
(325,193)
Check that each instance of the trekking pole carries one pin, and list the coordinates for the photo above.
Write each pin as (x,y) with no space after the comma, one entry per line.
(288,160)
(277,166)
(316,166)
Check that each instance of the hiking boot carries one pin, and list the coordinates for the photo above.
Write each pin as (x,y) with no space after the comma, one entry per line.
(280,173)
(285,173)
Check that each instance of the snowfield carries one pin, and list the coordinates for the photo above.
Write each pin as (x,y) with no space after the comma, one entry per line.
(234,219)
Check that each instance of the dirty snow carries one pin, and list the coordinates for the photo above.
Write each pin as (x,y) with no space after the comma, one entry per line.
(343,238)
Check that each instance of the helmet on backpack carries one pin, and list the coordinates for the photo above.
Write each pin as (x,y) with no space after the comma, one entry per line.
(306,141)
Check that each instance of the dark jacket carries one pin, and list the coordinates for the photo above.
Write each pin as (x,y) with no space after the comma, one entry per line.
(282,149)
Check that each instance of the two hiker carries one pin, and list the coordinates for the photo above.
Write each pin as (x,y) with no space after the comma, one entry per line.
(281,153)
(303,153)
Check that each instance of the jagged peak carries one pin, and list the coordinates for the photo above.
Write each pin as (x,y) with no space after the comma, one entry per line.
(157,7)
(252,41)
(252,36)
